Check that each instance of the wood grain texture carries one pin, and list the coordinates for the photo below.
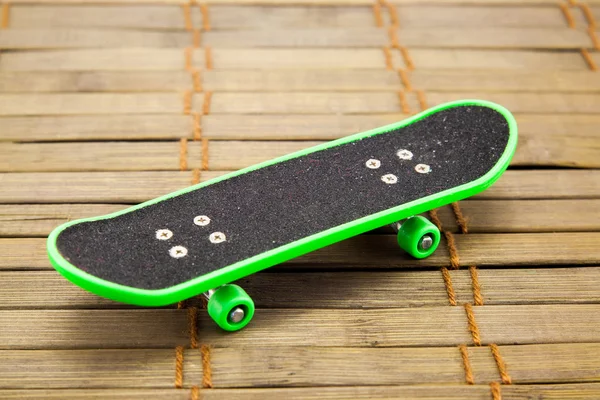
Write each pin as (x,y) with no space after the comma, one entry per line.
(339,290)
(72,329)
(300,80)
(282,103)
(34,39)
(422,326)
(83,369)
(30,220)
(585,391)
(135,187)
(149,59)
(110,187)
(105,127)
(108,156)
(294,366)
(236,17)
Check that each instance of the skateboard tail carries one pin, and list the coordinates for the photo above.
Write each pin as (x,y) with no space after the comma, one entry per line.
(192,287)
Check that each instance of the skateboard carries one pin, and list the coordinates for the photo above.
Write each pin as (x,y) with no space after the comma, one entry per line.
(200,239)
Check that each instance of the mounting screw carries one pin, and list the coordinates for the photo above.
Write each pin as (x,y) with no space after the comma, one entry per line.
(217,237)
(164,234)
(404,154)
(373,163)
(390,179)
(423,168)
(201,220)
(178,251)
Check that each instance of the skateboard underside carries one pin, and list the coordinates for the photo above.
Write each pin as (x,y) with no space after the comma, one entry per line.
(188,241)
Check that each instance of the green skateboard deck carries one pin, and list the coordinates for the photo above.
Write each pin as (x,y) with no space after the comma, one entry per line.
(200,239)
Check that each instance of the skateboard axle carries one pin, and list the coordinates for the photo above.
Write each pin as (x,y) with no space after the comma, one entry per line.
(236,315)
(425,242)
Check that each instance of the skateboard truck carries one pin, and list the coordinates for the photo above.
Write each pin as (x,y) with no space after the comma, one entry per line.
(229,306)
(418,236)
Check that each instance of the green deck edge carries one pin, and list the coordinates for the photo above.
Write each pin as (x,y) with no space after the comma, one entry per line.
(185,290)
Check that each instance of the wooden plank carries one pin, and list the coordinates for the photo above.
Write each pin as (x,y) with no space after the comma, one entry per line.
(438,59)
(422,326)
(86,369)
(105,127)
(339,290)
(109,156)
(222,127)
(47,290)
(300,80)
(545,184)
(500,216)
(29,220)
(263,127)
(140,16)
(539,323)
(584,391)
(147,59)
(547,363)
(322,366)
(281,103)
(541,103)
(90,103)
(35,39)
(529,249)
(429,392)
(242,17)
(255,17)
(50,82)
(356,37)
(482,15)
(97,60)
(174,59)
(23,254)
(292,367)
(504,38)
(525,216)
(504,81)
(219,80)
(108,187)
(134,187)
(55,329)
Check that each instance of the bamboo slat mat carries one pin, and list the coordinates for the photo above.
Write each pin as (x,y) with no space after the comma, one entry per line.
(107,103)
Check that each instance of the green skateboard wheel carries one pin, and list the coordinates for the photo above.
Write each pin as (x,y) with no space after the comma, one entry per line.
(418,237)
(231,307)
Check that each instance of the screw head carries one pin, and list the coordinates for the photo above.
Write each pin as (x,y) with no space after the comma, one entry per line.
(404,154)
(217,237)
(426,242)
(201,220)
(423,168)
(373,163)
(236,315)
(390,179)
(164,234)
(178,251)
